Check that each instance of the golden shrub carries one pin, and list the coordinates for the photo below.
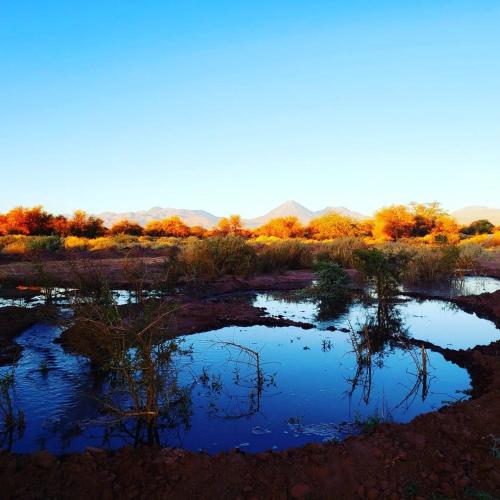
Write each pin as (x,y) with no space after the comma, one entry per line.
(76,243)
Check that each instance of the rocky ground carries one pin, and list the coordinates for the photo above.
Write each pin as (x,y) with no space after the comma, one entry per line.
(450,453)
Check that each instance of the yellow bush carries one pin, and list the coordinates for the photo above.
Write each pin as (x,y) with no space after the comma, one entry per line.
(8,239)
(17,246)
(266,240)
(495,239)
(76,243)
(102,243)
(478,239)
(165,242)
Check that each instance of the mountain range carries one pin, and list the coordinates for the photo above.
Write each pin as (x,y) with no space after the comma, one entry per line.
(206,219)
(467,215)
(203,218)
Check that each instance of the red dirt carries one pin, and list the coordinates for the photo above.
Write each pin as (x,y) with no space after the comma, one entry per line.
(203,315)
(444,454)
(65,272)
(490,266)
(290,280)
(486,305)
(119,273)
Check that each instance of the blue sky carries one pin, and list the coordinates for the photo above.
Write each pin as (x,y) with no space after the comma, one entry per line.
(236,106)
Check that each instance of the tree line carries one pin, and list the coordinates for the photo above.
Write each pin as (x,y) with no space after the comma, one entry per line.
(416,220)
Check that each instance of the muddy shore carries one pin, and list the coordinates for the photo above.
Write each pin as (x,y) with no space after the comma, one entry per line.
(450,453)
(13,321)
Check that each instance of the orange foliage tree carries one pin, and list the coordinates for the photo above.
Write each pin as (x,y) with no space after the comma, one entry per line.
(154,228)
(28,221)
(426,215)
(173,226)
(84,225)
(198,231)
(332,225)
(230,225)
(393,222)
(60,225)
(127,227)
(446,230)
(3,224)
(282,227)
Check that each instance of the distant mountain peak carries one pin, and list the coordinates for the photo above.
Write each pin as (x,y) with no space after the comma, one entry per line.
(206,219)
(203,218)
(472,213)
(304,214)
(291,203)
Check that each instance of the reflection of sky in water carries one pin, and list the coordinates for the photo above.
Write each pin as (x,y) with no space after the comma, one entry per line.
(307,376)
(435,321)
(63,296)
(470,285)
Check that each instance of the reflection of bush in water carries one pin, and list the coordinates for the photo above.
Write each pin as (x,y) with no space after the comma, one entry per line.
(12,422)
(331,309)
(130,347)
(380,335)
(242,396)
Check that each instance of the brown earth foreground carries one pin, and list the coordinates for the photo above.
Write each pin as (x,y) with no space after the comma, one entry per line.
(450,453)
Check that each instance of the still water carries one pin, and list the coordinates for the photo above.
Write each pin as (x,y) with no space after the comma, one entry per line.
(256,388)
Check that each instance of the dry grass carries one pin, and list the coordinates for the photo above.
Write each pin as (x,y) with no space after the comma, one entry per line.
(202,260)
(13,245)
(340,250)
(283,255)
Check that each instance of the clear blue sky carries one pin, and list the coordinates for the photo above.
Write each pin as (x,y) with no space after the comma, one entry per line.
(235,106)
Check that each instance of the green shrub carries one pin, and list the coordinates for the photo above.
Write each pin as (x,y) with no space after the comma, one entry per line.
(384,269)
(332,280)
(40,243)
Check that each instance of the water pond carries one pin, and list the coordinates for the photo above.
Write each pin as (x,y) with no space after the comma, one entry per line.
(255,388)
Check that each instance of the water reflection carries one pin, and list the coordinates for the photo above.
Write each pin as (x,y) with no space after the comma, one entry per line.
(12,422)
(332,309)
(255,388)
(436,321)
